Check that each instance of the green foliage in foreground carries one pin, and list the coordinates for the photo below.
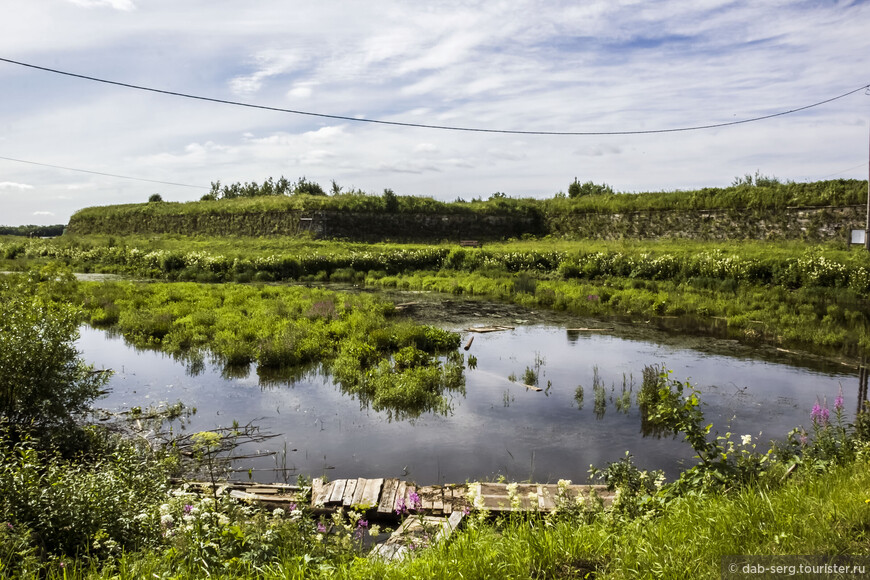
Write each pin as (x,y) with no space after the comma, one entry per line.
(653,530)
(37,354)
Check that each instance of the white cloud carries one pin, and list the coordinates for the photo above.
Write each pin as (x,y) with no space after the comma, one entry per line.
(268,64)
(13,185)
(125,5)
(43,213)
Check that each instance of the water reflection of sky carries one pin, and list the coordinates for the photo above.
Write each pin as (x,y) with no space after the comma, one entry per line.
(499,427)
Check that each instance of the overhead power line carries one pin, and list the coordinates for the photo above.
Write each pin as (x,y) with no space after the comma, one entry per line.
(103,174)
(427,126)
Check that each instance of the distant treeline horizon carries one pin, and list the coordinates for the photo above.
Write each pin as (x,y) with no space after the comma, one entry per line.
(33,231)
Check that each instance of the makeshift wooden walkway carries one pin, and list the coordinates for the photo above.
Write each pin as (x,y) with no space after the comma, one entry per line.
(393,495)
(438,509)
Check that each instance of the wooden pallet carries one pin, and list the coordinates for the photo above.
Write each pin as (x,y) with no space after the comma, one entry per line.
(387,496)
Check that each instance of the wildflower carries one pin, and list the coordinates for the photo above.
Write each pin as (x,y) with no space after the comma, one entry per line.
(820,413)
(277,513)
(188,508)
(295,514)
(375,530)
(401,508)
(415,500)
(361,525)
(746,440)
(804,438)
(321,528)
(293,507)
(838,402)
(165,508)
(166,520)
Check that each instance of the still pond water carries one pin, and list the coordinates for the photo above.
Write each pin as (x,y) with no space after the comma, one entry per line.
(499,428)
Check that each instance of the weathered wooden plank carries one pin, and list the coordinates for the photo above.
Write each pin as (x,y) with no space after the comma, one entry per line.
(337,491)
(359,491)
(372,492)
(349,490)
(438,499)
(427,495)
(263,490)
(318,492)
(388,495)
(489,488)
(242,495)
(497,503)
(399,499)
(447,494)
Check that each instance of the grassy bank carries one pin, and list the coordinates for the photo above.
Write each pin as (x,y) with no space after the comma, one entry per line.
(788,293)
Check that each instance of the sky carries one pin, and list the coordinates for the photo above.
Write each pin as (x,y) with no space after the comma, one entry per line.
(612,66)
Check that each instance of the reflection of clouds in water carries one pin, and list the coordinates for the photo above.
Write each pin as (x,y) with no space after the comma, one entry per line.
(535,436)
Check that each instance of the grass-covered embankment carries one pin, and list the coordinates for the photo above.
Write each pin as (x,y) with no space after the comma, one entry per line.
(789,293)
(759,209)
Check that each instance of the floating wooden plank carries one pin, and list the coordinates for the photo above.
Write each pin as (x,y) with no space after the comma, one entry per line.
(468,344)
(358,492)
(588,329)
(349,490)
(318,493)
(337,492)
(388,496)
(372,492)
(533,388)
(484,329)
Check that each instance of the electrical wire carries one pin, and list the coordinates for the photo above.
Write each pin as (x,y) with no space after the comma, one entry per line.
(103,174)
(426,126)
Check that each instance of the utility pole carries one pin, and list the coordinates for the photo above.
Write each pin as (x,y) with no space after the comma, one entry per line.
(867,225)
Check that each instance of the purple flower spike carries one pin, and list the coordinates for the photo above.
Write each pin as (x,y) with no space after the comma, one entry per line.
(838,402)
(321,528)
(188,508)
(816,413)
(415,500)
(825,415)
(401,508)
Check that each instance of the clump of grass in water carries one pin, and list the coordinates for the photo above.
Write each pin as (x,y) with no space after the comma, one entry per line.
(598,390)
(530,377)
(578,396)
